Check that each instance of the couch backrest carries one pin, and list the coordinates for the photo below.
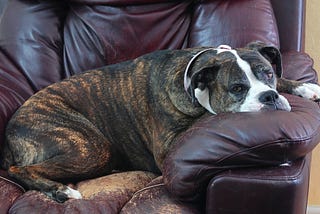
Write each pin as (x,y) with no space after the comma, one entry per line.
(112,31)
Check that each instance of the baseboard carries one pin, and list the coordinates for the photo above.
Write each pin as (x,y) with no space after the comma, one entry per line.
(313,210)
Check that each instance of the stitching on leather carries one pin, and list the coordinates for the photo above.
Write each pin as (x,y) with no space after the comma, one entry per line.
(284,142)
(14,183)
(260,178)
(147,188)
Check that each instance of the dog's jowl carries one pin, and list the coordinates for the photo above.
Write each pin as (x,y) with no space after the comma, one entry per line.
(127,116)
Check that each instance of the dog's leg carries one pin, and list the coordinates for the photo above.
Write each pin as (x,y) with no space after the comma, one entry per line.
(55,190)
(307,90)
(79,160)
(55,146)
(44,176)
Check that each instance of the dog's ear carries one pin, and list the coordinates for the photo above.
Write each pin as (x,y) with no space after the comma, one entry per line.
(200,79)
(271,53)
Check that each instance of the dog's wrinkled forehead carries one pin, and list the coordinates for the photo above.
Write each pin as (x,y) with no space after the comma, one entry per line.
(250,63)
(259,65)
(252,56)
(248,55)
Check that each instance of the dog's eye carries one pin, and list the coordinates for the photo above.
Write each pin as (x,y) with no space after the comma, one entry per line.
(267,72)
(269,75)
(237,89)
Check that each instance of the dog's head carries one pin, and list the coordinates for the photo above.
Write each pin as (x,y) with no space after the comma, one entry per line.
(236,80)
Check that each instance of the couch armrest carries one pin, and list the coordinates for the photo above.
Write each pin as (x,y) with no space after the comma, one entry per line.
(298,66)
(277,189)
(261,190)
(223,142)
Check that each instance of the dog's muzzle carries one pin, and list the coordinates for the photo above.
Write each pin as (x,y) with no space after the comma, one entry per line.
(273,101)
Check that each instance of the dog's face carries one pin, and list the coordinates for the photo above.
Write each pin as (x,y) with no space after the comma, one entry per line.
(238,80)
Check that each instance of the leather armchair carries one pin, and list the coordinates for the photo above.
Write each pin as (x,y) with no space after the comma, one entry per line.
(228,163)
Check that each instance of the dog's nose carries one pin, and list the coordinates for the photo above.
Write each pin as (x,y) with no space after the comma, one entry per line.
(269,98)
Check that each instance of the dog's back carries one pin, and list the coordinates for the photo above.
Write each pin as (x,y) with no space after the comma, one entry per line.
(123,116)
(123,105)
(64,116)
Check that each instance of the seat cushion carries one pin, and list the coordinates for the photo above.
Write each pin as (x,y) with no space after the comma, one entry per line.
(106,194)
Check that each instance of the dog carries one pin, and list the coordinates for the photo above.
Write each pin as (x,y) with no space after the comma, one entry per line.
(128,115)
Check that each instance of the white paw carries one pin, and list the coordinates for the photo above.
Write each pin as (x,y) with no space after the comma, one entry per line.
(308,90)
(71,193)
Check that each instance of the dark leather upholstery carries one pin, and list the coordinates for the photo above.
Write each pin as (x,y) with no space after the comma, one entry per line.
(223,164)
(291,27)
(266,198)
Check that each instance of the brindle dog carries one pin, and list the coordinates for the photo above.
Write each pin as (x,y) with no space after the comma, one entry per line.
(127,116)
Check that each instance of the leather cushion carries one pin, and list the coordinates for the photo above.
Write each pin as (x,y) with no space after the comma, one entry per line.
(305,72)
(106,194)
(262,190)
(234,23)
(107,26)
(106,31)
(32,40)
(155,198)
(10,191)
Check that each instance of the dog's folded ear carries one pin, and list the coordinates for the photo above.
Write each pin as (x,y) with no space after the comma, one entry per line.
(200,74)
(200,80)
(271,53)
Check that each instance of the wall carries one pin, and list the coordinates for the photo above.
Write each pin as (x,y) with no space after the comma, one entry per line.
(313,49)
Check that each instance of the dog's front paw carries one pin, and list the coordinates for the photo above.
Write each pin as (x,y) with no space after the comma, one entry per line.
(60,196)
(71,193)
(308,90)
(63,194)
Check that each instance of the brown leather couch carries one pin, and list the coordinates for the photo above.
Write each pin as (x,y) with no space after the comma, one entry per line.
(229,163)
